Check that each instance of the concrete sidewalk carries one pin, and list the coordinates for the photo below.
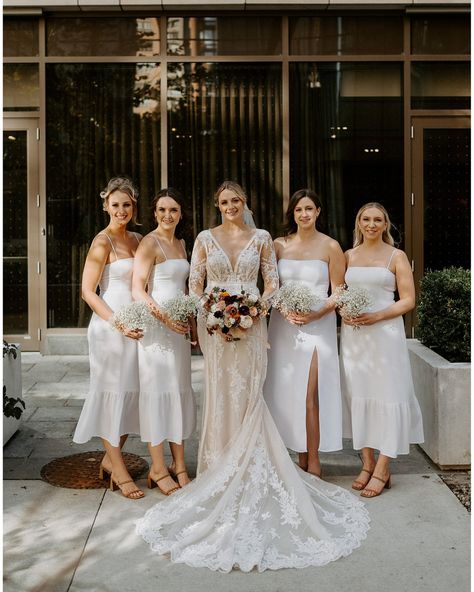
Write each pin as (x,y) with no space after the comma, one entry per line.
(58,540)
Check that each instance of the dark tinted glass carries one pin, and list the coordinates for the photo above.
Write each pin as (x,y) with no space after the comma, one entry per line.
(446,188)
(341,35)
(440,34)
(20,37)
(20,87)
(440,85)
(103,36)
(15,233)
(224,122)
(103,120)
(346,140)
(224,35)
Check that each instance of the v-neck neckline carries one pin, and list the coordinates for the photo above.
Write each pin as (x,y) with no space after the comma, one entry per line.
(233,268)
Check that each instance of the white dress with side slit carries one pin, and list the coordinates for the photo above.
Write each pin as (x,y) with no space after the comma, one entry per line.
(111,406)
(380,409)
(289,360)
(250,506)
(167,406)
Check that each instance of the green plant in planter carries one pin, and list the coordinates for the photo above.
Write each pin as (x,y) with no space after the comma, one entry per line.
(444,313)
(12,406)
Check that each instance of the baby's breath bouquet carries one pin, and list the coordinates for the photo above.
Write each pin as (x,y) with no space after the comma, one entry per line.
(181,308)
(136,315)
(294,297)
(352,301)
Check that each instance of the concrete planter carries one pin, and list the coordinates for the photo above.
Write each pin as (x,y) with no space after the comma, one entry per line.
(12,382)
(443,391)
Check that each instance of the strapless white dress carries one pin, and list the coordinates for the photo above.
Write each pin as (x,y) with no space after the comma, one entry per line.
(380,409)
(111,407)
(167,405)
(289,361)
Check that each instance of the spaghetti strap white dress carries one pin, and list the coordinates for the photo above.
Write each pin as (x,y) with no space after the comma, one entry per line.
(289,360)
(380,409)
(250,506)
(167,405)
(111,406)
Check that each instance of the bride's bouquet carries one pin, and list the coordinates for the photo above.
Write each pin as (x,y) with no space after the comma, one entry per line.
(352,301)
(294,297)
(232,314)
(135,315)
(181,308)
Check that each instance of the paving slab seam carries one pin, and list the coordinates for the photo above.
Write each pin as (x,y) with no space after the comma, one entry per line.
(86,541)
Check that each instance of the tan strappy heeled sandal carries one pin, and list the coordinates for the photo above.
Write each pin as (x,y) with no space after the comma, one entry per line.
(135,494)
(152,483)
(358,485)
(387,484)
(175,475)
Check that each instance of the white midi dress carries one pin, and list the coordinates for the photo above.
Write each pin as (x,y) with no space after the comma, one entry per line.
(111,406)
(289,360)
(380,409)
(167,405)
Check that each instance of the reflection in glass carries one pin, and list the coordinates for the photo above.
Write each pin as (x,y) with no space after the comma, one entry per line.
(440,85)
(101,36)
(20,87)
(224,35)
(346,139)
(102,120)
(342,35)
(440,34)
(20,37)
(15,238)
(225,123)
(446,189)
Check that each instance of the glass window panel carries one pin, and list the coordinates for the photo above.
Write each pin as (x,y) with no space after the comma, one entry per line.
(440,85)
(20,87)
(440,34)
(15,237)
(102,120)
(346,140)
(99,36)
(20,37)
(224,35)
(339,35)
(225,123)
(446,189)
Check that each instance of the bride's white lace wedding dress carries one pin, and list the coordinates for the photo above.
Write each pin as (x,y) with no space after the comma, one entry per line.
(250,505)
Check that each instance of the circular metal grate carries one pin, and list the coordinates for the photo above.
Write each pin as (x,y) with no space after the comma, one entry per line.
(81,471)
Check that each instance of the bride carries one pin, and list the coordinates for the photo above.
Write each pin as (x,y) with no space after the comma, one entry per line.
(250,506)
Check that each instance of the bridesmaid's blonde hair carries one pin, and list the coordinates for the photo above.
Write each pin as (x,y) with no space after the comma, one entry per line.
(386,236)
(126,186)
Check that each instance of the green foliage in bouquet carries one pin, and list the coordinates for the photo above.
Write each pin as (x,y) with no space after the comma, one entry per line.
(444,313)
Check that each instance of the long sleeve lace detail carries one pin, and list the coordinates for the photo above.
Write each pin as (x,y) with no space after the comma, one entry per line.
(197,273)
(268,266)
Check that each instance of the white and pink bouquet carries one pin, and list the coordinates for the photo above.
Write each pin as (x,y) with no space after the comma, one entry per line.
(231,315)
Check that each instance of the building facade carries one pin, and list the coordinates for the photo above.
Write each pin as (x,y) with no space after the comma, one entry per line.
(358,101)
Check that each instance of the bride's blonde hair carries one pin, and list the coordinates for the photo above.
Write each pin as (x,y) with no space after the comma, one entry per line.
(386,236)
(231,186)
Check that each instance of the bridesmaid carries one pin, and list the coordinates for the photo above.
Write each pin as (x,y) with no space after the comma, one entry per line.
(381,412)
(167,407)
(111,408)
(302,383)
